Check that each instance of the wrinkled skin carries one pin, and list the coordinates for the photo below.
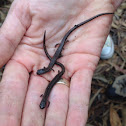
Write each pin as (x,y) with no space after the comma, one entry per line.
(21,49)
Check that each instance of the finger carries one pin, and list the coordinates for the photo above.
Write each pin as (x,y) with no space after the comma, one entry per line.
(79,98)
(13,89)
(57,110)
(32,114)
(13,30)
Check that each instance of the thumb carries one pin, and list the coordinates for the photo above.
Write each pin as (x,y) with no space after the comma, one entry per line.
(13,29)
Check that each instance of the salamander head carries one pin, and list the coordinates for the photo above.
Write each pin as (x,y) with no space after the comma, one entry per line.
(42,71)
(42,105)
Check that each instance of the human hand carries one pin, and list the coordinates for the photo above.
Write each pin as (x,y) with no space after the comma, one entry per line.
(21,48)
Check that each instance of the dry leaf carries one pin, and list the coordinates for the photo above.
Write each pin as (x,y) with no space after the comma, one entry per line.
(114,118)
(124,116)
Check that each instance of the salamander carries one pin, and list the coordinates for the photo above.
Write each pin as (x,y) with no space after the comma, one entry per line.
(60,48)
(44,100)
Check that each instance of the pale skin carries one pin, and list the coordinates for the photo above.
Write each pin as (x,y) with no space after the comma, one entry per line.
(21,49)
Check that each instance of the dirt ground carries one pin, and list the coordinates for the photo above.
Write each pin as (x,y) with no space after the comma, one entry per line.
(102,110)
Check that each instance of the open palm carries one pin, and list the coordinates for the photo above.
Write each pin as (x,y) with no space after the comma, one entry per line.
(22,49)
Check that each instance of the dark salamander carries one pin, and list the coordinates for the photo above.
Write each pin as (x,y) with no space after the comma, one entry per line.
(44,100)
(60,48)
